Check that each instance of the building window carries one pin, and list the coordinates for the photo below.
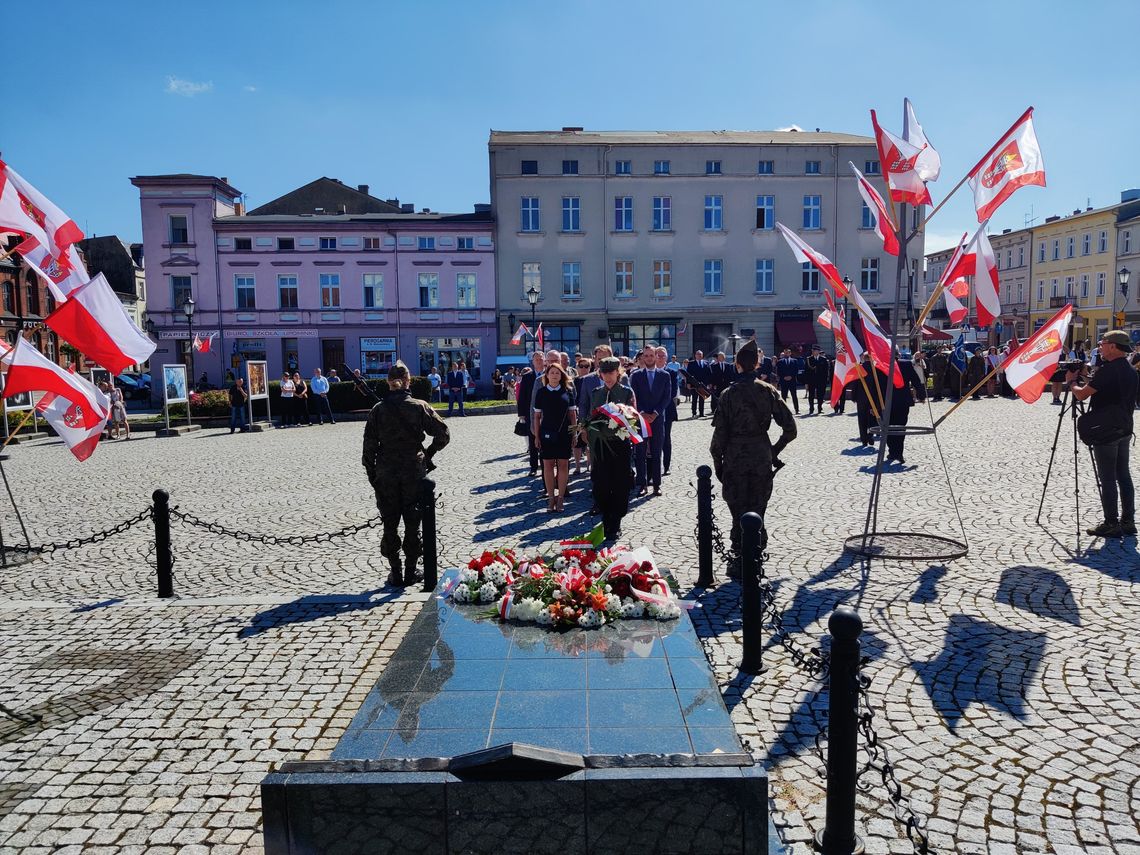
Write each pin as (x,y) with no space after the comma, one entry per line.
(809,278)
(623,167)
(867,220)
(180,292)
(285,244)
(569,167)
(1020,291)
(425,244)
(465,244)
(811,167)
(465,295)
(571,214)
(623,278)
(712,167)
(660,167)
(623,213)
(1021,256)
(328,243)
(1070,248)
(179,230)
(330,290)
(531,277)
(1055,291)
(714,277)
(1040,291)
(246,292)
(31,304)
(287,290)
(869,275)
(1069,287)
(662,214)
(765,276)
(765,212)
(1086,244)
(871,167)
(529,167)
(429,290)
(764,167)
(1041,252)
(811,212)
(629,339)
(714,221)
(530,220)
(373,290)
(1126,242)
(663,278)
(1056,249)
(372,244)
(243,244)
(572,279)
(1100,284)
(1084,286)
(1102,242)
(563,338)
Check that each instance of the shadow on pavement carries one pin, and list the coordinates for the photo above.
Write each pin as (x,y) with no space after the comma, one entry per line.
(1040,591)
(1118,559)
(316,607)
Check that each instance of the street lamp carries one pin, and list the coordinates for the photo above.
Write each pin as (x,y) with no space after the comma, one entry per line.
(188,311)
(532,295)
(734,338)
(1122,276)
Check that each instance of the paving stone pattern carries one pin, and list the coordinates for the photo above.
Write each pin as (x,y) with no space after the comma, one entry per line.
(1005,684)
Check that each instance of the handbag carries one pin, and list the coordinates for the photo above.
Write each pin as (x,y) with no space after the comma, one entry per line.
(520,428)
(1104,425)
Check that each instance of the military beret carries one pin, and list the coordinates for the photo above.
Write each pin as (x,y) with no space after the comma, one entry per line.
(609,363)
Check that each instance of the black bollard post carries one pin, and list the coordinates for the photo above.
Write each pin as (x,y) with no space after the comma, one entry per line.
(427,514)
(161,517)
(838,836)
(752,611)
(704,528)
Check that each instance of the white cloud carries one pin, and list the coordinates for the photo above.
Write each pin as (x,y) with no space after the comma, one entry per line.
(186,88)
(249,88)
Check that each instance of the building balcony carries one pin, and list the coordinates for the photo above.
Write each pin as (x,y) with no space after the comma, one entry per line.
(1058,302)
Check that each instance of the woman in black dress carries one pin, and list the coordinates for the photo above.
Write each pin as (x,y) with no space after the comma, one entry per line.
(499,389)
(554,417)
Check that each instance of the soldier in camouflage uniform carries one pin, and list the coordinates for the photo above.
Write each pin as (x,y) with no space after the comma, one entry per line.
(744,457)
(396,462)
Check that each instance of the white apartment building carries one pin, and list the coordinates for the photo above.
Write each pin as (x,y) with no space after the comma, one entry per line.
(669,237)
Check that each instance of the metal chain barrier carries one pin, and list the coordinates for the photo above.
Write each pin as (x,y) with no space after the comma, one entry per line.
(878,759)
(97,537)
(269,539)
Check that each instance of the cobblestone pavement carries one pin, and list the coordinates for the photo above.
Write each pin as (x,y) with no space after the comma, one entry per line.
(1005,684)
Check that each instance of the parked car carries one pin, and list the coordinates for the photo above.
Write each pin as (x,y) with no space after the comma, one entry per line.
(134,386)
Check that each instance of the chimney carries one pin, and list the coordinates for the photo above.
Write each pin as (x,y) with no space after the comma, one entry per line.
(1129,195)
(395,203)
(1006,231)
(225,180)
(363,188)
(1078,211)
(1052,219)
(239,208)
(407,208)
(425,210)
(482,207)
(570,129)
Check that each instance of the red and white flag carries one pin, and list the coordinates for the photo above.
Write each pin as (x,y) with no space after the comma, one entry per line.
(978,260)
(31,371)
(954,293)
(64,417)
(1015,161)
(61,280)
(884,225)
(538,338)
(847,369)
(25,210)
(1029,367)
(518,336)
(928,164)
(93,320)
(897,158)
(202,345)
(806,255)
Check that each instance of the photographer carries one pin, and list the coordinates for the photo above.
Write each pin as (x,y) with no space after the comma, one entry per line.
(1107,428)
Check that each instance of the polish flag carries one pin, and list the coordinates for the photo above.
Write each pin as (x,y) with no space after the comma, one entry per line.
(538,338)
(954,293)
(25,210)
(884,226)
(66,420)
(843,332)
(898,158)
(94,321)
(1015,161)
(806,255)
(978,260)
(1029,367)
(31,371)
(928,164)
(518,336)
(61,280)
(202,345)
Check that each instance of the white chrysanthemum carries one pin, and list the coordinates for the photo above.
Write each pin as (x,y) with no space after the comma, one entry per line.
(632,608)
(590,619)
(461,593)
(526,609)
(488,593)
(613,604)
(544,618)
(496,574)
(664,611)
(466,574)
(560,563)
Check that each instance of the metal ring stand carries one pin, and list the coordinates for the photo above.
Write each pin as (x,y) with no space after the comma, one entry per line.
(906,546)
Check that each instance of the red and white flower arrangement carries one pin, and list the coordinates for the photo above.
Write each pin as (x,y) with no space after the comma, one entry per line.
(584,587)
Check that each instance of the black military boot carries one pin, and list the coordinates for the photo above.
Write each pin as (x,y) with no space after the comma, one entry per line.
(394,577)
(412,574)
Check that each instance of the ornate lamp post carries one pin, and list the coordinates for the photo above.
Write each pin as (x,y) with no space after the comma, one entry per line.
(532,295)
(188,311)
(1122,277)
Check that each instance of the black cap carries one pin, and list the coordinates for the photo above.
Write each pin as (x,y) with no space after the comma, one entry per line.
(747,346)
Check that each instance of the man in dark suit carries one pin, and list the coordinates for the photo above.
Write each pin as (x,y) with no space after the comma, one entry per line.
(698,369)
(818,374)
(722,376)
(671,414)
(456,387)
(788,370)
(523,407)
(653,390)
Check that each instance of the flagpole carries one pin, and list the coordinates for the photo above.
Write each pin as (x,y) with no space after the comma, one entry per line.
(19,427)
(962,400)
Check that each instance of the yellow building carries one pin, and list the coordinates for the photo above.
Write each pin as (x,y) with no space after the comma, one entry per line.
(1074,261)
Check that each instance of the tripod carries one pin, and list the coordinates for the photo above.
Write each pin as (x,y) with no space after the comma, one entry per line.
(1075,409)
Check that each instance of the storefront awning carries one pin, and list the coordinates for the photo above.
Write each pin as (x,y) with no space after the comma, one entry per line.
(793,332)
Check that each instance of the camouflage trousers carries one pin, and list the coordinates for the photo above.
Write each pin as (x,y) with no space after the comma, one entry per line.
(397,497)
(747,488)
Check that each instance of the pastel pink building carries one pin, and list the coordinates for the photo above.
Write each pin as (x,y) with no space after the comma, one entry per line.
(324,275)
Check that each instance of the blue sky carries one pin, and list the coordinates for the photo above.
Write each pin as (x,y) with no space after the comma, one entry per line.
(402,95)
